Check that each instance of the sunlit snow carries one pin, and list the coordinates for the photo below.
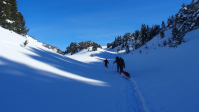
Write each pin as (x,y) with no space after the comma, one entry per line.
(34,78)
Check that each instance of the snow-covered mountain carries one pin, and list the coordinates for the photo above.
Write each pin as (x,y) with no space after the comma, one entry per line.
(186,20)
(34,78)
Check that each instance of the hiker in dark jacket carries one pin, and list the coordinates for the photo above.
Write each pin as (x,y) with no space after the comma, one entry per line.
(121,64)
(117,59)
(106,62)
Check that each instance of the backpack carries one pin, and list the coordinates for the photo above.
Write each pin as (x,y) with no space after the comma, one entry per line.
(122,62)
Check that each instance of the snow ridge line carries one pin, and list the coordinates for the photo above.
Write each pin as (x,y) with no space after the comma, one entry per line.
(139,96)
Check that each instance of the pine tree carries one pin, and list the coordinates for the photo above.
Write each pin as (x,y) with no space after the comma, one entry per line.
(170,22)
(122,44)
(169,42)
(162,35)
(155,30)
(163,26)
(183,5)
(94,47)
(181,35)
(1,11)
(127,49)
(148,33)
(9,12)
(109,45)
(113,45)
(175,33)
(22,29)
(137,34)
(193,1)
(143,34)
(118,49)
(164,42)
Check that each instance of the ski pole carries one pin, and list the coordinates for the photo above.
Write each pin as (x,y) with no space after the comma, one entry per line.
(112,66)
(115,68)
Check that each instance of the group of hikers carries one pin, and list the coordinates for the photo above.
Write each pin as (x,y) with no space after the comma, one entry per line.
(120,64)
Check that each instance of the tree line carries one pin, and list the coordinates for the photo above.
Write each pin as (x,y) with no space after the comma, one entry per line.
(76,47)
(187,19)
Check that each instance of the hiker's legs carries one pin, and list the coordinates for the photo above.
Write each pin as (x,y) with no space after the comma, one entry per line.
(121,70)
(118,68)
(106,65)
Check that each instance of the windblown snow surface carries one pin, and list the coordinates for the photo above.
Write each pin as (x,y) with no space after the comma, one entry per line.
(35,79)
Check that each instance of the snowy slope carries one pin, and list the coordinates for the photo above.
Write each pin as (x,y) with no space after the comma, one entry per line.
(163,79)
(33,78)
(166,77)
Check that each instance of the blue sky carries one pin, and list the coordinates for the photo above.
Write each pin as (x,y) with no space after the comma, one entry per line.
(60,22)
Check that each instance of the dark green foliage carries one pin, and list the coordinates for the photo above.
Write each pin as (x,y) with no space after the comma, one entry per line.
(170,22)
(137,34)
(155,30)
(118,41)
(164,43)
(143,32)
(126,37)
(53,48)
(169,42)
(74,47)
(146,48)
(1,11)
(163,26)
(95,46)
(113,45)
(175,34)
(109,45)
(149,37)
(118,49)
(183,5)
(11,18)
(127,49)
(122,46)
(193,1)
(162,35)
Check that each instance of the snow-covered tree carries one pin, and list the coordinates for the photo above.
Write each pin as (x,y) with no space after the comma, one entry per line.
(127,49)
(149,37)
(183,5)
(143,33)
(74,47)
(137,34)
(175,34)
(164,43)
(11,18)
(163,26)
(193,1)
(170,22)
(118,49)
(162,35)
(155,30)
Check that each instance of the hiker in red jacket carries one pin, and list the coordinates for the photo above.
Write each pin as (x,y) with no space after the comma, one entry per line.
(106,62)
